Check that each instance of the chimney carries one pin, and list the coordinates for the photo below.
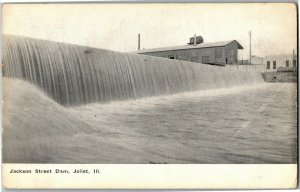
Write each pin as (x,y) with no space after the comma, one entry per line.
(195,40)
(139,42)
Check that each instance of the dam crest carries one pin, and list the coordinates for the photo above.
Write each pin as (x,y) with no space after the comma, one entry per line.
(74,75)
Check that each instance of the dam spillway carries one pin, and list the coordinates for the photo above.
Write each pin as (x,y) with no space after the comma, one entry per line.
(74,75)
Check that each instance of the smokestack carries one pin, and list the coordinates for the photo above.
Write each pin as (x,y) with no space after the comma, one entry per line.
(139,42)
(195,38)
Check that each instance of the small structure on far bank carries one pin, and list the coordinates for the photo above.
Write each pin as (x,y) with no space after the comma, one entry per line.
(280,63)
(280,68)
(255,60)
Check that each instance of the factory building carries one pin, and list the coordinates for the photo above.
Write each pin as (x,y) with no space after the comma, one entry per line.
(255,60)
(217,53)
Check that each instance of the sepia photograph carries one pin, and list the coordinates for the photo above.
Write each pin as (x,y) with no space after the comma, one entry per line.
(149,83)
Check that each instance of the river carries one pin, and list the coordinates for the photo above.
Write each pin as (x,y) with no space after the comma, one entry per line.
(250,124)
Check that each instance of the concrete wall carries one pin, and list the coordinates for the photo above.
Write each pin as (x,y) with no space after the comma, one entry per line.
(280,76)
(253,67)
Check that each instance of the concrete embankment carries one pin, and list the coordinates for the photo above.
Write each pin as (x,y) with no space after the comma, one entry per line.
(280,76)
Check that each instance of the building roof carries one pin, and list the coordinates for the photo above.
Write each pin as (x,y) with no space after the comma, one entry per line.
(182,47)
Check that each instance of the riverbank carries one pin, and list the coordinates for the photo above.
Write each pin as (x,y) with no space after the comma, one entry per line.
(280,76)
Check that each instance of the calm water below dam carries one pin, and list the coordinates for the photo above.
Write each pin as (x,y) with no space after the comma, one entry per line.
(254,124)
(238,125)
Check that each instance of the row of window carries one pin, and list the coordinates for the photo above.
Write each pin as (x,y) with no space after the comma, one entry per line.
(205,59)
(269,64)
(287,64)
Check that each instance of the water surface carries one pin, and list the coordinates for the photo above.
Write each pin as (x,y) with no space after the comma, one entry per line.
(240,125)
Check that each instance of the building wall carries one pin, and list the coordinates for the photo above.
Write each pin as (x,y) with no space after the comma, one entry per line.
(247,67)
(281,62)
(231,52)
(257,60)
(203,55)
(194,55)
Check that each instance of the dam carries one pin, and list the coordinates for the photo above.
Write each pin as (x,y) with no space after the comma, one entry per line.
(74,75)
(67,103)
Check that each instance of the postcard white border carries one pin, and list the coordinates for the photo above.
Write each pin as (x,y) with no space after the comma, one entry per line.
(153,176)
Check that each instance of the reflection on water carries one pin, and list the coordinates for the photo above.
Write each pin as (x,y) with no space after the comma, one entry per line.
(250,125)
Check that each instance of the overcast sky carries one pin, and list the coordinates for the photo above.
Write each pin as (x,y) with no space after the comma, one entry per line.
(116,26)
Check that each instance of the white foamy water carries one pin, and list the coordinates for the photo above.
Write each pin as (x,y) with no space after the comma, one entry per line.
(73,75)
(254,124)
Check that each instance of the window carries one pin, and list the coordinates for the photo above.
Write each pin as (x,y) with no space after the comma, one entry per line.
(195,59)
(218,53)
(294,63)
(274,64)
(205,59)
(287,63)
(172,56)
(268,64)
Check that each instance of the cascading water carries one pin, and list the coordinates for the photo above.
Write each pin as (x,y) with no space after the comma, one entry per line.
(74,75)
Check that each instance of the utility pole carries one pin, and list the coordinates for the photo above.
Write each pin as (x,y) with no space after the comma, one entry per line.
(293,61)
(139,42)
(250,34)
